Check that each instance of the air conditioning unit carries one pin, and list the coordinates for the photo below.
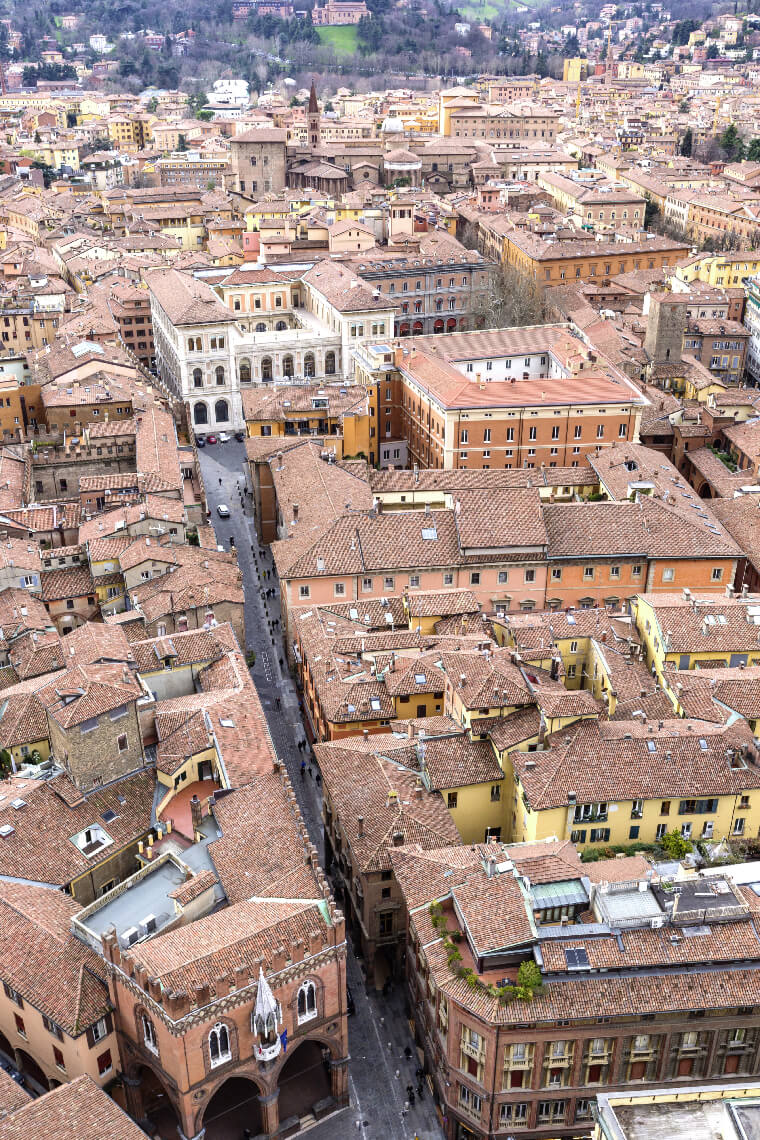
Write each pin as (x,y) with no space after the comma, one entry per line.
(148,925)
(129,936)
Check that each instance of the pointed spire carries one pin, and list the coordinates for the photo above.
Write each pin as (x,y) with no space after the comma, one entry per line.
(265,1014)
(313,104)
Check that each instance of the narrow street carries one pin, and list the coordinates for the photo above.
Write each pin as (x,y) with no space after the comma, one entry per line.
(379,1030)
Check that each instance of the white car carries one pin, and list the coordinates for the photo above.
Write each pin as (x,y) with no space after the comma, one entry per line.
(223,437)
(223,511)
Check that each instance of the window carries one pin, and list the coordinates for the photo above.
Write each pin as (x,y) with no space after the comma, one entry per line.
(20,1027)
(122,743)
(513,1114)
(307,1002)
(668,574)
(105,1064)
(532,433)
(599,835)
(13,995)
(367,584)
(414,581)
(339,589)
(219,1045)
(633,832)
(386,922)
(464,436)
(99,1030)
(556,573)
(470,1101)
(738,828)
(530,576)
(588,573)
(717,573)
(475,578)
(555,431)
(304,591)
(487,435)
(149,1034)
(451,800)
(448,579)
(388,583)
(503,577)
(578,430)
(661,830)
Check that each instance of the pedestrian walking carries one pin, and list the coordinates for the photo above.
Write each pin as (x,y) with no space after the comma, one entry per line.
(220,480)
(409,1092)
(408,1055)
(303,769)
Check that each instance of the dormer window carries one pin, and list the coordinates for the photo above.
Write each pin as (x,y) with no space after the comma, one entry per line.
(92,840)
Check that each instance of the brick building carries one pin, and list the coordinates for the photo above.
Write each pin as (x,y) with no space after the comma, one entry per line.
(518,1028)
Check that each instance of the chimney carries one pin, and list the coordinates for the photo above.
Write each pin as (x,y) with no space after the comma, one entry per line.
(360,832)
(295,512)
(398,838)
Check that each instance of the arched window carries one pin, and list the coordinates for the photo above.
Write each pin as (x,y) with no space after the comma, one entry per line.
(245,371)
(219,373)
(307,1002)
(287,365)
(330,364)
(197,378)
(221,411)
(266,368)
(219,1045)
(308,364)
(438,304)
(149,1033)
(261,327)
(200,414)
(281,326)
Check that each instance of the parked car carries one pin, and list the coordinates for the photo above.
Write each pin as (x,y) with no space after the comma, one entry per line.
(223,511)
(210,439)
(240,436)
(200,441)
(224,436)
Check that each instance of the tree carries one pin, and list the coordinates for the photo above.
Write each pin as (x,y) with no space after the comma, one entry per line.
(513,299)
(674,844)
(712,52)
(687,142)
(753,150)
(732,144)
(181,142)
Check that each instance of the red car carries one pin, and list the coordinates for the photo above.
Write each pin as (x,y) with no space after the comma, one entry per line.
(210,439)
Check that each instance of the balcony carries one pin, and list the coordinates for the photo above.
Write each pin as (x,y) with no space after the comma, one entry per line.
(264,1052)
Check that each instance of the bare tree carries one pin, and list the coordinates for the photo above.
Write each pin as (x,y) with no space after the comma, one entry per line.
(513,299)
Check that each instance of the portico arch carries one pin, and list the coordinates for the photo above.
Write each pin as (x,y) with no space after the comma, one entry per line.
(233,1107)
(304,1079)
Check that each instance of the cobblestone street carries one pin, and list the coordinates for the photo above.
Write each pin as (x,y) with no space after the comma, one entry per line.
(379,1029)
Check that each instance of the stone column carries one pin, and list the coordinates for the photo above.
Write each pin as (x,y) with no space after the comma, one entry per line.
(270,1113)
(134,1097)
(339,1079)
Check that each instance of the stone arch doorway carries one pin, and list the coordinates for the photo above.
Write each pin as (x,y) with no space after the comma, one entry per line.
(705,491)
(304,1081)
(150,1103)
(31,1070)
(233,1108)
